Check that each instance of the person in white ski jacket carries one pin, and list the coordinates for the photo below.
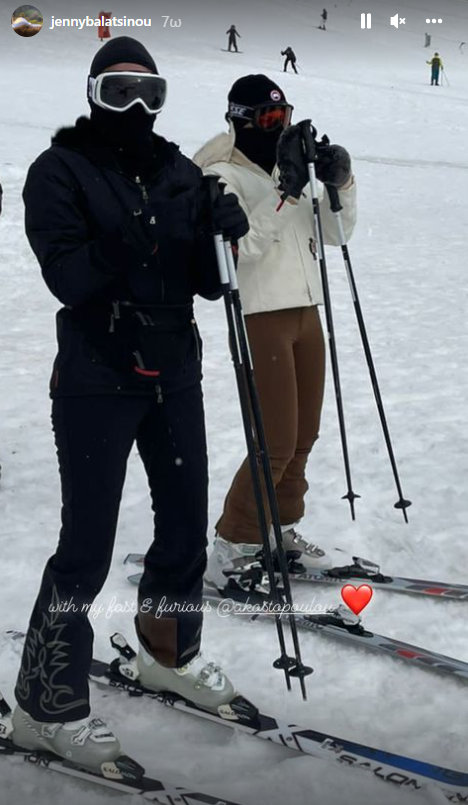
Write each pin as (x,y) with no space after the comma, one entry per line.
(280,288)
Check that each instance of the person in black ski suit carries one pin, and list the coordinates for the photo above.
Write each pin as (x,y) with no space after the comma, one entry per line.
(324,16)
(232,33)
(116,216)
(290,59)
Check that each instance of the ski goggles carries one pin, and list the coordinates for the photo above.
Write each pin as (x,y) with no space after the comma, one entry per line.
(121,91)
(266,116)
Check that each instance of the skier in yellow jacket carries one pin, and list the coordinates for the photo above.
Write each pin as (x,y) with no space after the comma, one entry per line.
(437,66)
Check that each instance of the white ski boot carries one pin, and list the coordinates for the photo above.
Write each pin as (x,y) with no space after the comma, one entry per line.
(228,557)
(88,743)
(312,557)
(201,682)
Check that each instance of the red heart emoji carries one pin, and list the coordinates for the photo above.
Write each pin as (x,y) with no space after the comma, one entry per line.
(356,598)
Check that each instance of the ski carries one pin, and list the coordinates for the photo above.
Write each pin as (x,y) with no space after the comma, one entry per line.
(339,623)
(405,772)
(123,774)
(361,570)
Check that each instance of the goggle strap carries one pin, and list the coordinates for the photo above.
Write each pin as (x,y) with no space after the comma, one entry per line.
(239,110)
(91,86)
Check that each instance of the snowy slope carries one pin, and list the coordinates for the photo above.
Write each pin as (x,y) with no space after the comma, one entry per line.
(369,91)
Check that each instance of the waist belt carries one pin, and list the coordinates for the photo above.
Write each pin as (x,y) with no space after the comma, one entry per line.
(163,318)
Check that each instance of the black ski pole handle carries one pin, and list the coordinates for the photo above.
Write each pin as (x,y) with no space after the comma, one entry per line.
(334,196)
(311,147)
(309,134)
(214,189)
(212,186)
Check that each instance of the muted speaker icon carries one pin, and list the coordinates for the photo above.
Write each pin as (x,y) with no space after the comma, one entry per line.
(396,20)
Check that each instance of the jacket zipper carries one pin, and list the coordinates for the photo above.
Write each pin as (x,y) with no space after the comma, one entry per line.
(143,189)
(144,193)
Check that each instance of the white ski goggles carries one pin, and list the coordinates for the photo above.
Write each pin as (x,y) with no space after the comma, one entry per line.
(120,91)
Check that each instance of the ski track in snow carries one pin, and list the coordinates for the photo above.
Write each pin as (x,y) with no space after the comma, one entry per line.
(409,163)
(409,257)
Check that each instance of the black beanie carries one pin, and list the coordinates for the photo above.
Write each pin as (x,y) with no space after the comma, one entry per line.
(257,145)
(253,90)
(121,49)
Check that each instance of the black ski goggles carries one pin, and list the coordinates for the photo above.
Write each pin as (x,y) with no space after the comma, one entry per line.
(266,116)
(120,91)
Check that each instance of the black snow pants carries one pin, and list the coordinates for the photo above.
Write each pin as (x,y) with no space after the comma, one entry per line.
(232,42)
(94,436)
(291,62)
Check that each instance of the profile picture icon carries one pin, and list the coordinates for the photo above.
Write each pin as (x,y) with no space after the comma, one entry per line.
(27,21)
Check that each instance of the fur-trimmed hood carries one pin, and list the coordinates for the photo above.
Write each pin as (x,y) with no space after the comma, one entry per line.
(85,138)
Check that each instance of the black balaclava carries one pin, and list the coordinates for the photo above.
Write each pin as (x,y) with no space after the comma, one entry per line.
(257,145)
(131,130)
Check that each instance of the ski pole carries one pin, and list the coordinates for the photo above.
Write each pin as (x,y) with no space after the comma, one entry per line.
(309,134)
(444,75)
(336,208)
(254,433)
(299,670)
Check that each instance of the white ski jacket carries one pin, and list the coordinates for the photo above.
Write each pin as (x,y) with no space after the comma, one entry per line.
(277,265)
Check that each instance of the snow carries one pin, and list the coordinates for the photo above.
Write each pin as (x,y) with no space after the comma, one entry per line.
(369,91)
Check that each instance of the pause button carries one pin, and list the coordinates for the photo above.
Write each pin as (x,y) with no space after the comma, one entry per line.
(366,20)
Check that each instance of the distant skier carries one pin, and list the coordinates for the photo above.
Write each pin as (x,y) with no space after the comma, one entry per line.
(104,29)
(323,26)
(437,66)
(232,33)
(290,59)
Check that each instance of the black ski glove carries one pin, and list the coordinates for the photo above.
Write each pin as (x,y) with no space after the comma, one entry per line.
(333,165)
(228,217)
(291,162)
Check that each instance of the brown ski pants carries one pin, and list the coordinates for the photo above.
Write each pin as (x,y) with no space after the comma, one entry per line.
(288,356)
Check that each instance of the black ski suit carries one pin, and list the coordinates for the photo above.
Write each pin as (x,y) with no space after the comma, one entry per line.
(290,59)
(232,33)
(128,371)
